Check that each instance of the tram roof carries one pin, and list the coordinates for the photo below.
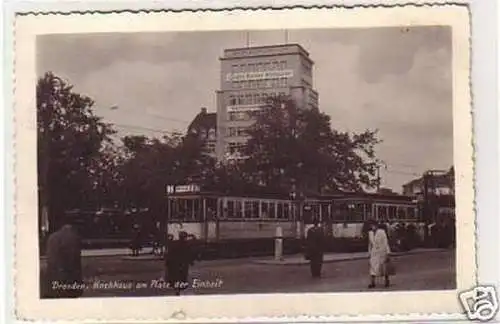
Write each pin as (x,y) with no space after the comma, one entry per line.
(367,196)
(310,197)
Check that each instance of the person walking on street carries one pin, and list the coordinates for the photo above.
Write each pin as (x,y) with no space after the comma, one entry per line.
(379,251)
(177,261)
(135,243)
(64,265)
(315,248)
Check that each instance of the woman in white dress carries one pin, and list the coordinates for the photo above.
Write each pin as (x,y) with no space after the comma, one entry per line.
(379,251)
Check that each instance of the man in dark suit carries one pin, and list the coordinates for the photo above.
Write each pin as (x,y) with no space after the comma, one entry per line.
(178,258)
(64,265)
(315,242)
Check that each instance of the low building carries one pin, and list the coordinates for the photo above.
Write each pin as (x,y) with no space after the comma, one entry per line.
(439,198)
(204,125)
(438,183)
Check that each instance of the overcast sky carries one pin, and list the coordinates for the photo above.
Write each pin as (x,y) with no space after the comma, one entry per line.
(397,80)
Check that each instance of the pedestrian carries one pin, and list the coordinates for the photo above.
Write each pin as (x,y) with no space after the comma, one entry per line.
(177,261)
(315,248)
(64,265)
(379,251)
(135,243)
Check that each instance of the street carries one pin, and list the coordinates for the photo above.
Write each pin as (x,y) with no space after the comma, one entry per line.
(119,276)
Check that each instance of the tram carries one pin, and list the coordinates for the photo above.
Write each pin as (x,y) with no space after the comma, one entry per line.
(215,218)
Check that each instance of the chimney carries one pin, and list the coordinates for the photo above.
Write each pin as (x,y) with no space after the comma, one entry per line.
(203,110)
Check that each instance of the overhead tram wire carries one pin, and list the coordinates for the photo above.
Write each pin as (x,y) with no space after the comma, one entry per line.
(146,128)
(116,108)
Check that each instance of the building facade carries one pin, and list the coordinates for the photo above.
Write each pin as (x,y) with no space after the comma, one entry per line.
(439,198)
(249,76)
(204,125)
(439,184)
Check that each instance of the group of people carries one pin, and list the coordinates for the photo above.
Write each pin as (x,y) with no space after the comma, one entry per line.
(378,249)
(63,276)
(156,238)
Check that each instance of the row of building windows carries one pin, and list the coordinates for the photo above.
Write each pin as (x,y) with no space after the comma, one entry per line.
(261,84)
(234,147)
(306,68)
(259,67)
(243,115)
(210,147)
(237,131)
(257,98)
(204,134)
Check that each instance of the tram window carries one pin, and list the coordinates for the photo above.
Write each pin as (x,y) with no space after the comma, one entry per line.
(238,209)
(272,210)
(281,213)
(265,210)
(382,212)
(402,213)
(338,212)
(286,211)
(248,209)
(255,209)
(358,212)
(230,209)
(392,212)
(325,211)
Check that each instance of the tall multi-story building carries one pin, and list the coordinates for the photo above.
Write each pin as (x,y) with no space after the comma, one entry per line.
(251,75)
(204,125)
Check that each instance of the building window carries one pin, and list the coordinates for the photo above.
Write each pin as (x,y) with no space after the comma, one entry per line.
(232,100)
(306,68)
(282,65)
(251,67)
(238,116)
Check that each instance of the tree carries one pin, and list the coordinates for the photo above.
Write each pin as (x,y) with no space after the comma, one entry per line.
(70,144)
(289,146)
(154,163)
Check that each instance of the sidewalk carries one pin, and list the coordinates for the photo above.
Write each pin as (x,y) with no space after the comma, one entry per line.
(335,257)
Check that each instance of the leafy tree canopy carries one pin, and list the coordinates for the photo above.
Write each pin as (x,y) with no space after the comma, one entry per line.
(291,147)
(71,141)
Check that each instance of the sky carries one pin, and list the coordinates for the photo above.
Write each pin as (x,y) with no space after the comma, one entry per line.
(396,80)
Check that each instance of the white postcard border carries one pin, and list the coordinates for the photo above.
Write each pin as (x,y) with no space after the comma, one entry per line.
(28,304)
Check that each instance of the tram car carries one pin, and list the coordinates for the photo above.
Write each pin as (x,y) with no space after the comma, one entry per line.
(249,224)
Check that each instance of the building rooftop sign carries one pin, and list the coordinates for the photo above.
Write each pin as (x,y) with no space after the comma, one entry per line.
(191,188)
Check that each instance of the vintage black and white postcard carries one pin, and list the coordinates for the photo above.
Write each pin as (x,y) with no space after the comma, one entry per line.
(237,164)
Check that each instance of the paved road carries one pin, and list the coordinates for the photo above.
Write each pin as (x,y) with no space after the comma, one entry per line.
(424,271)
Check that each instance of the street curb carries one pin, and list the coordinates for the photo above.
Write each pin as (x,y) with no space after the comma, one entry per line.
(147,257)
(354,258)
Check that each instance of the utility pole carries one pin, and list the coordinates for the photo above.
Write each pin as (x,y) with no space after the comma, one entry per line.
(378,178)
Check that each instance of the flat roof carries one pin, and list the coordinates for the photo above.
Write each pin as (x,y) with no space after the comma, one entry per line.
(228,53)
(269,46)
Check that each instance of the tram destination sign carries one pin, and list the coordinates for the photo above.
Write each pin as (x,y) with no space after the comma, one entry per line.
(190,188)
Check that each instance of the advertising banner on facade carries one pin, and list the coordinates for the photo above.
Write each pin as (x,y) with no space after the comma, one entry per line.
(248,76)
